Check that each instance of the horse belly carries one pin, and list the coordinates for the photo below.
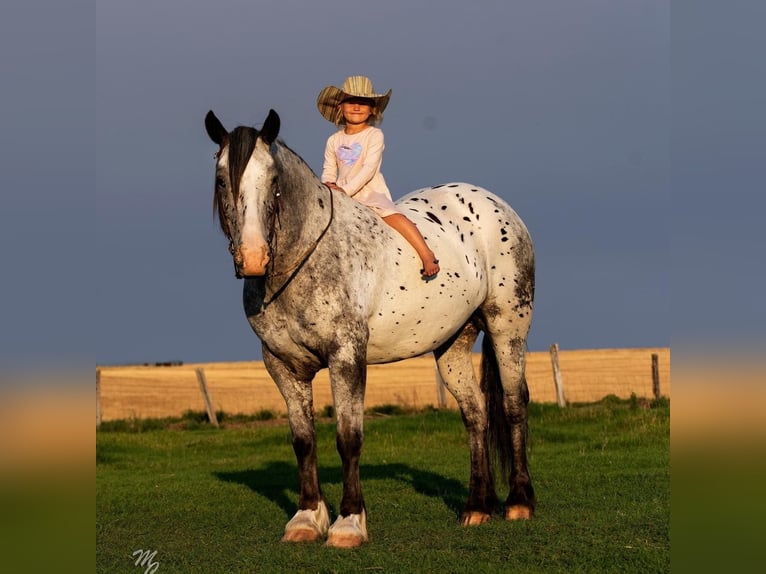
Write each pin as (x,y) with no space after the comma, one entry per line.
(415,321)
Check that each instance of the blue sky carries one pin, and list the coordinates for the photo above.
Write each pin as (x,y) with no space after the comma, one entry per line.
(635,168)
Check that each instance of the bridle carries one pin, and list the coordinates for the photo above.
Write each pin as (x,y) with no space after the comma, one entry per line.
(295,268)
(274,222)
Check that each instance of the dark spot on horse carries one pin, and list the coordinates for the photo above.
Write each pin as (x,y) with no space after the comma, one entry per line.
(444,207)
(470,207)
(402,287)
(321,203)
(437,186)
(466,218)
(491,310)
(457,275)
(503,231)
(433,218)
(461,238)
(453,185)
(503,239)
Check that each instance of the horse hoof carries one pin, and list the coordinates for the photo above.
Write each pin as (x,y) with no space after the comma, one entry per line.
(474,518)
(308,525)
(302,535)
(349,531)
(344,541)
(518,512)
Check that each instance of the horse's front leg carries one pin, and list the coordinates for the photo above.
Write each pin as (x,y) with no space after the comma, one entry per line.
(312,520)
(348,375)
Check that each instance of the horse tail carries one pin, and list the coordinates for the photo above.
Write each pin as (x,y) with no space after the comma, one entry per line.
(498,425)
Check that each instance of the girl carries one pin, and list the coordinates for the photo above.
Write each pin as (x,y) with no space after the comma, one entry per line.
(354,153)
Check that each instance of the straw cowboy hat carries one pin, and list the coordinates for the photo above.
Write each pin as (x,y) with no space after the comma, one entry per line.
(353,87)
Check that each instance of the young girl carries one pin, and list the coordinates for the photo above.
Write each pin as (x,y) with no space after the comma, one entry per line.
(354,153)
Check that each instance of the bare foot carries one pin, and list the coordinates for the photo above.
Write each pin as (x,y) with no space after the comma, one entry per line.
(430,267)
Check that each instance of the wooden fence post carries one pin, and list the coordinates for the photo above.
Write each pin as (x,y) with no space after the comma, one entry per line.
(206,395)
(557,375)
(98,398)
(441,397)
(656,376)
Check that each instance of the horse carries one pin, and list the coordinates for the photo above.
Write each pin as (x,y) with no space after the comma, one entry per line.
(328,284)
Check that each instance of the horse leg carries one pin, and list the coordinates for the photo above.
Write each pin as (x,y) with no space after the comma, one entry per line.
(508,349)
(312,519)
(456,370)
(348,375)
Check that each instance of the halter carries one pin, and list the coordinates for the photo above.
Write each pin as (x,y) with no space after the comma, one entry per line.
(294,269)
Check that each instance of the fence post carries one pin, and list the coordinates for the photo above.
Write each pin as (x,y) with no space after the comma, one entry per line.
(98,398)
(656,376)
(441,397)
(557,375)
(206,395)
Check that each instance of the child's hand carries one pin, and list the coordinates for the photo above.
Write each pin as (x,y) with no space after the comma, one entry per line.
(332,185)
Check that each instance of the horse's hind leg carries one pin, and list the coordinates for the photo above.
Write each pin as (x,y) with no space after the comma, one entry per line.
(456,370)
(504,350)
(312,520)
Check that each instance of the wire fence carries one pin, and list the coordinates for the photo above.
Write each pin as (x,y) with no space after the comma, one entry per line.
(125,392)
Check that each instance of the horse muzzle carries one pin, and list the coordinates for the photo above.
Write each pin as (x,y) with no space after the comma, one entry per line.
(251,262)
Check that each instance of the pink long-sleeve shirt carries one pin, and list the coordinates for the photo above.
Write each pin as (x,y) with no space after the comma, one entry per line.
(352,162)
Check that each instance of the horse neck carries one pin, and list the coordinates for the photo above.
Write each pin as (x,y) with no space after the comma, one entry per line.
(301,218)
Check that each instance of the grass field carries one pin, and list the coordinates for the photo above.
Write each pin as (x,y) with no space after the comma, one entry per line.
(211,500)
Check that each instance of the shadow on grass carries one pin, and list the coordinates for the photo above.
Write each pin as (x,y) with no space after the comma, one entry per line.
(271,481)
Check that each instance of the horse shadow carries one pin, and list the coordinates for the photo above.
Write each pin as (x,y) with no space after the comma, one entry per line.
(277,482)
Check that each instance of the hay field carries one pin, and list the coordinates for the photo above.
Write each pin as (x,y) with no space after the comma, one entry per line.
(245,387)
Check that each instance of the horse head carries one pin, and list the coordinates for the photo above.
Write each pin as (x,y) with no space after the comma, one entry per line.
(246,190)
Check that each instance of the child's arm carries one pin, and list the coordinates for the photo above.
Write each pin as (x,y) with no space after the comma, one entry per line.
(330,167)
(373,158)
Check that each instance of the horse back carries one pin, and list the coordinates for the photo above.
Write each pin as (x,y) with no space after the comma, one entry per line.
(483,248)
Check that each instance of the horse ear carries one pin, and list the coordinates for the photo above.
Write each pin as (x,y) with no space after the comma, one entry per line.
(215,128)
(270,129)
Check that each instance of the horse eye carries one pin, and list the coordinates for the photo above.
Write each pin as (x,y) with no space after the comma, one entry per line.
(219,182)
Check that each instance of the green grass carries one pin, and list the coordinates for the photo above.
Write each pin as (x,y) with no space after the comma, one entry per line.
(212,500)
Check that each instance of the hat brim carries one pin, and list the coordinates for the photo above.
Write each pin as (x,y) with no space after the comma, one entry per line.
(331,96)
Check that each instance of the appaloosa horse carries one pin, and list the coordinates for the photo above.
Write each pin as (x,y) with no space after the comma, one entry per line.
(329,284)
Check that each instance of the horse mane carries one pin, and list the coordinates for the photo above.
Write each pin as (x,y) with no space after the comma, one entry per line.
(241,142)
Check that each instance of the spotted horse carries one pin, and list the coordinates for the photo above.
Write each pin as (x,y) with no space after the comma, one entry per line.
(328,284)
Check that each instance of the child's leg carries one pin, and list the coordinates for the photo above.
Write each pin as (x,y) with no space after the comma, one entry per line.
(412,234)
